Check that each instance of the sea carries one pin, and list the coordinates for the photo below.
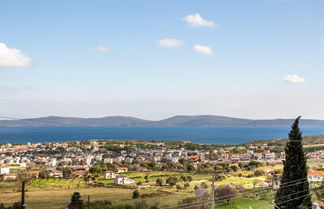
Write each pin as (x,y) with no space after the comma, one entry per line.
(200,135)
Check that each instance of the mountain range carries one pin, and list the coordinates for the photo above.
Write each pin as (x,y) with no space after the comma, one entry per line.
(181,120)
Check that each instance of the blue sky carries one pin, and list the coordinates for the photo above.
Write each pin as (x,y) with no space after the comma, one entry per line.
(242,58)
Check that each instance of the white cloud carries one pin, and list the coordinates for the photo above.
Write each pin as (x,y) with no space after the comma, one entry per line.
(103,49)
(198,21)
(170,43)
(11,57)
(203,49)
(293,78)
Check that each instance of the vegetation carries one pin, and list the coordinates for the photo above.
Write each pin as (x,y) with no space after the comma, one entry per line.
(226,192)
(294,189)
(136,194)
(76,202)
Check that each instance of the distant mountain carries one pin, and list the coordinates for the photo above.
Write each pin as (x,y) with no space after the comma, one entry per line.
(199,120)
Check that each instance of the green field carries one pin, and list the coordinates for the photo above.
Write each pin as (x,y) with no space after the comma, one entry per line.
(243,203)
(52,184)
(56,193)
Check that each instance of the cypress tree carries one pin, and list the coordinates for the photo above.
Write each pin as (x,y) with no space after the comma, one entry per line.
(294,189)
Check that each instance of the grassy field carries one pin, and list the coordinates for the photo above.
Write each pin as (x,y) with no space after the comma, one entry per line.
(247,182)
(243,203)
(52,184)
(8,187)
(56,193)
(60,198)
(55,199)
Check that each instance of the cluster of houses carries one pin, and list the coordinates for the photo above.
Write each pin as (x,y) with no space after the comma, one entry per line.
(119,178)
(82,156)
(312,177)
(250,155)
(316,155)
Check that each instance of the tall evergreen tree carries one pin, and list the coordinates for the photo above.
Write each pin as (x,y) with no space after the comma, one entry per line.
(294,189)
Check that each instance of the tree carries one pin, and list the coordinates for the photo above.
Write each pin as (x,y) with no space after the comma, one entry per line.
(146,178)
(186,185)
(172,180)
(76,202)
(178,187)
(202,192)
(66,172)
(294,188)
(25,176)
(183,178)
(256,182)
(159,182)
(204,185)
(226,192)
(234,168)
(136,194)
(259,173)
(190,167)
(43,174)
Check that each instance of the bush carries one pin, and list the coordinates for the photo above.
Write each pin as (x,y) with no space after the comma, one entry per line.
(178,187)
(259,173)
(159,182)
(226,192)
(136,194)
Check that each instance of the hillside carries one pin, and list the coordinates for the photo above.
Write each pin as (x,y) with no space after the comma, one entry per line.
(199,120)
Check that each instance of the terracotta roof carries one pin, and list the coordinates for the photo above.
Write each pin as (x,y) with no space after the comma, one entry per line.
(316,173)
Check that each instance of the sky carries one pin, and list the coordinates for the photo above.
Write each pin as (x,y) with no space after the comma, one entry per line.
(257,59)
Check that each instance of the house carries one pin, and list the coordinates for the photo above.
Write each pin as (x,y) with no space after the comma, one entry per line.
(269,156)
(56,174)
(108,160)
(4,170)
(110,175)
(276,180)
(318,204)
(122,170)
(121,179)
(257,156)
(317,176)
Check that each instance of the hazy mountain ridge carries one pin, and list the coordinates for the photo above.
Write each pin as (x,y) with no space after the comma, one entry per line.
(198,120)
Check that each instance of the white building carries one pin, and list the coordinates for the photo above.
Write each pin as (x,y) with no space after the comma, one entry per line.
(56,174)
(317,176)
(110,175)
(4,170)
(53,162)
(121,179)
(122,170)
(108,160)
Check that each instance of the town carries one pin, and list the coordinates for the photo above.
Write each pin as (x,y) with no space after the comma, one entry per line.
(138,165)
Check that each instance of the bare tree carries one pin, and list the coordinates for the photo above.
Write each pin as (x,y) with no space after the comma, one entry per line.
(226,192)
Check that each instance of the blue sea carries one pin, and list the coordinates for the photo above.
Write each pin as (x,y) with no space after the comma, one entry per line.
(201,135)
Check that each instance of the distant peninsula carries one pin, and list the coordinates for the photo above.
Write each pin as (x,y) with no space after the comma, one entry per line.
(176,121)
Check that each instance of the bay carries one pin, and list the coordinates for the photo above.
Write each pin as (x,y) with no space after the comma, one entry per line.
(201,135)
